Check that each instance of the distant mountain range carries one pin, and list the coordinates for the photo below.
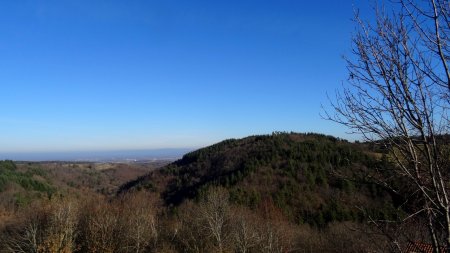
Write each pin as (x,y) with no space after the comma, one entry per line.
(99,156)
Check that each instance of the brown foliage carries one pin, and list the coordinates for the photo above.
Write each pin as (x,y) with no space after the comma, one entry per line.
(128,224)
(47,227)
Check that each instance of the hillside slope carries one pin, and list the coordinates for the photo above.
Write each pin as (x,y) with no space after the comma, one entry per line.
(311,178)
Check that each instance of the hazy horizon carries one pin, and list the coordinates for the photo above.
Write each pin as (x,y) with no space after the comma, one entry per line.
(97,155)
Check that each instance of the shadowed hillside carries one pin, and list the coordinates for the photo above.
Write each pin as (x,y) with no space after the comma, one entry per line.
(312,178)
(284,192)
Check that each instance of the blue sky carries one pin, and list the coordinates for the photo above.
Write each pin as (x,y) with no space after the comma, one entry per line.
(108,75)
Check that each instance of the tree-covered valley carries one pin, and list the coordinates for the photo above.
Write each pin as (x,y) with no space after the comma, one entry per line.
(284,192)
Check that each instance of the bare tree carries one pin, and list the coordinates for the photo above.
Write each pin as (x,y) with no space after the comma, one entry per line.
(214,210)
(398,94)
(140,220)
(205,227)
(61,231)
(189,233)
(245,234)
(100,227)
(47,228)
(26,240)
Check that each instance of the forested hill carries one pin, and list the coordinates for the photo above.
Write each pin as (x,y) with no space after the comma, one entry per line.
(311,178)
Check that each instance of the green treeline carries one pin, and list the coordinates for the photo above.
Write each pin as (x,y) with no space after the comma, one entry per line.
(314,179)
(284,192)
(32,182)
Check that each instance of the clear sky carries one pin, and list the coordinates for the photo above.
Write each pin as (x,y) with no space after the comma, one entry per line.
(105,75)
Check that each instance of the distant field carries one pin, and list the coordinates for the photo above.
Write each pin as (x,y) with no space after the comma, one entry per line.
(101,177)
(124,156)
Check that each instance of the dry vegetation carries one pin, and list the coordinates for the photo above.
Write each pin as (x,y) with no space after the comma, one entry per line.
(99,177)
(22,183)
(139,223)
(274,193)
